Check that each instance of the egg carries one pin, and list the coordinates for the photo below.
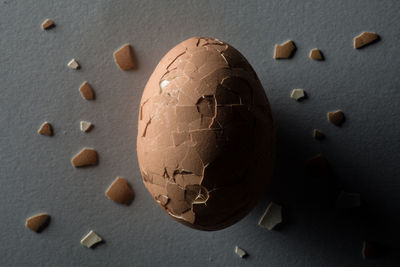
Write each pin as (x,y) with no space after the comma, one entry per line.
(206,138)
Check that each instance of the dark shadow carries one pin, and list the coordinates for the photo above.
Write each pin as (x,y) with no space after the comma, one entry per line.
(309,194)
(44,225)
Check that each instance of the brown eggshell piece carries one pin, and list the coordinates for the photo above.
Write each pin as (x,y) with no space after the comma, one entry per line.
(86,91)
(46,129)
(206,139)
(120,191)
(124,57)
(85,157)
(38,222)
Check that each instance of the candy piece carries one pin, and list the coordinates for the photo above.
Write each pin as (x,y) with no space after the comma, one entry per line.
(86,91)
(284,50)
(86,157)
(46,129)
(120,191)
(91,239)
(124,57)
(38,222)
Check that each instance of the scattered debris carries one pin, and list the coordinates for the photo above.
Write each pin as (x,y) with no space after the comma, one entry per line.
(316,54)
(284,50)
(46,129)
(48,24)
(318,165)
(271,217)
(86,91)
(364,39)
(241,252)
(298,94)
(73,64)
(38,222)
(336,117)
(124,57)
(348,200)
(120,191)
(86,126)
(86,157)
(369,250)
(91,239)
(317,134)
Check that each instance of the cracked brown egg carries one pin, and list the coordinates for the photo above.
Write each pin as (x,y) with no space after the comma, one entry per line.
(206,141)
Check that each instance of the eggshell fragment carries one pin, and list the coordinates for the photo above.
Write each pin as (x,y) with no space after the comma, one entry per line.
(46,129)
(120,191)
(86,157)
(284,50)
(364,39)
(48,24)
(38,222)
(124,57)
(86,91)
(336,117)
(206,140)
(91,239)
(316,54)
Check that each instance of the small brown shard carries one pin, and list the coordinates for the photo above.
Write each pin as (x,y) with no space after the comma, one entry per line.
(86,126)
(317,134)
(318,165)
(298,94)
(86,157)
(240,252)
(336,117)
(86,91)
(124,57)
(271,217)
(120,191)
(91,239)
(364,39)
(284,50)
(369,250)
(46,129)
(37,222)
(316,54)
(48,24)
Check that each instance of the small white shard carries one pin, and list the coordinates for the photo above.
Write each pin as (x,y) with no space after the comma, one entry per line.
(271,217)
(241,252)
(91,239)
(86,126)
(297,94)
(348,200)
(73,64)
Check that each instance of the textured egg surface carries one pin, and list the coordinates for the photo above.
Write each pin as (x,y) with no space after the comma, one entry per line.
(206,141)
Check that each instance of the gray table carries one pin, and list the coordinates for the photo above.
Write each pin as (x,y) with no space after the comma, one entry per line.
(36,174)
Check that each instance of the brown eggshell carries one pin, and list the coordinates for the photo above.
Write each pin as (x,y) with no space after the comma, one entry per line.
(206,140)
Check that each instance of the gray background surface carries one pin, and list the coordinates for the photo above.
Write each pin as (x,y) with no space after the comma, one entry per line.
(36,174)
